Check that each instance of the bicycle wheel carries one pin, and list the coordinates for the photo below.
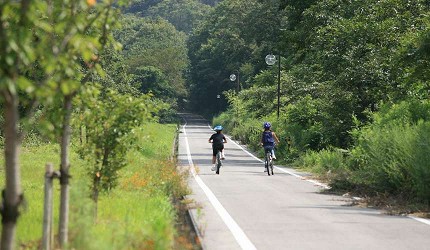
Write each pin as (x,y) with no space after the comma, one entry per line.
(218,162)
(271,165)
(267,162)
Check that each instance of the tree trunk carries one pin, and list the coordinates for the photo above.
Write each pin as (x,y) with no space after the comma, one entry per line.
(81,135)
(12,195)
(64,170)
(96,189)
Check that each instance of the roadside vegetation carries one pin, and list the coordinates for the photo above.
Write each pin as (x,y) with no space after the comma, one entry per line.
(141,213)
(79,80)
(354,88)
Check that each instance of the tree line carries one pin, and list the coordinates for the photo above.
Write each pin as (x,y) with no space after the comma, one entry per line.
(349,70)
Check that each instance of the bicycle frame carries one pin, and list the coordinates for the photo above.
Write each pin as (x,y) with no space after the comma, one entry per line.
(218,161)
(268,160)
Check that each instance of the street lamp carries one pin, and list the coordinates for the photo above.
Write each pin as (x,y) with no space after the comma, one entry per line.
(233,77)
(270,60)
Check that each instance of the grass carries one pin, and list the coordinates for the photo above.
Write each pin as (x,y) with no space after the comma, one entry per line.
(140,213)
(32,165)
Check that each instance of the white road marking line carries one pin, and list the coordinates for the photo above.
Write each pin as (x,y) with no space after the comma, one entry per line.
(239,235)
(422,220)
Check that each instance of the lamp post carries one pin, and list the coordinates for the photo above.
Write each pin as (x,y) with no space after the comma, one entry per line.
(271,60)
(233,77)
(218,97)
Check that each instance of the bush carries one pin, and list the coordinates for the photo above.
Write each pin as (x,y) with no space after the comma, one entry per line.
(303,116)
(392,154)
(421,161)
(331,164)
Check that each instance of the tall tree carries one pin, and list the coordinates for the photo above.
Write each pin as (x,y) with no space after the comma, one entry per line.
(183,14)
(345,56)
(16,54)
(81,63)
(154,43)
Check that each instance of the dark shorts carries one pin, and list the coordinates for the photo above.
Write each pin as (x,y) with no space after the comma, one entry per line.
(216,148)
(268,148)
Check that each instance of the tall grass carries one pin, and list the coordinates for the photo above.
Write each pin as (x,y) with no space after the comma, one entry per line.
(395,160)
(32,164)
(138,214)
(329,164)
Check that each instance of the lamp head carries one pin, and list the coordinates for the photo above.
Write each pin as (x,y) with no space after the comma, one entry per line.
(232,77)
(270,59)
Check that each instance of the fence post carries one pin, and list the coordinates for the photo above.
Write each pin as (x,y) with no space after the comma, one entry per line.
(47,210)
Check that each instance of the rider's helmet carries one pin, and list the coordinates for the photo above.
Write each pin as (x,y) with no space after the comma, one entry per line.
(267,125)
(218,128)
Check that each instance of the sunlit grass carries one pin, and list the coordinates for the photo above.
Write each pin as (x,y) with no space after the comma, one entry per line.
(137,214)
(32,167)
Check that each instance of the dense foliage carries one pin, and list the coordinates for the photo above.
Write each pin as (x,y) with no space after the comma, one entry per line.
(155,57)
(183,14)
(341,61)
(391,155)
(342,57)
(228,40)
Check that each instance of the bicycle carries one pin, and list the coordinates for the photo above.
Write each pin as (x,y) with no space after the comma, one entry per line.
(268,160)
(218,161)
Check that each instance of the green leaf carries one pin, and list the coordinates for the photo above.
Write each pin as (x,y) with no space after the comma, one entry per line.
(100,70)
(70,72)
(45,26)
(11,86)
(65,89)
(25,84)
(10,59)
(13,45)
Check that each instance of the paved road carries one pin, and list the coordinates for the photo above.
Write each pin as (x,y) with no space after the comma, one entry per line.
(243,208)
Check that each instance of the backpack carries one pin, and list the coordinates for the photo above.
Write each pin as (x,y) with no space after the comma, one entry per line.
(267,137)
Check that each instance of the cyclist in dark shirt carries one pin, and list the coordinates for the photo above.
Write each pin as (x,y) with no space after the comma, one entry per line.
(217,140)
(269,139)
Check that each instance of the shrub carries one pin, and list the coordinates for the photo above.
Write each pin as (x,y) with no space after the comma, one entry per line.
(330,164)
(421,161)
(383,154)
(392,154)
(301,122)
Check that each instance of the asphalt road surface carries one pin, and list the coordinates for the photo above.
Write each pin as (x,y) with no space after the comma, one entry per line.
(244,208)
